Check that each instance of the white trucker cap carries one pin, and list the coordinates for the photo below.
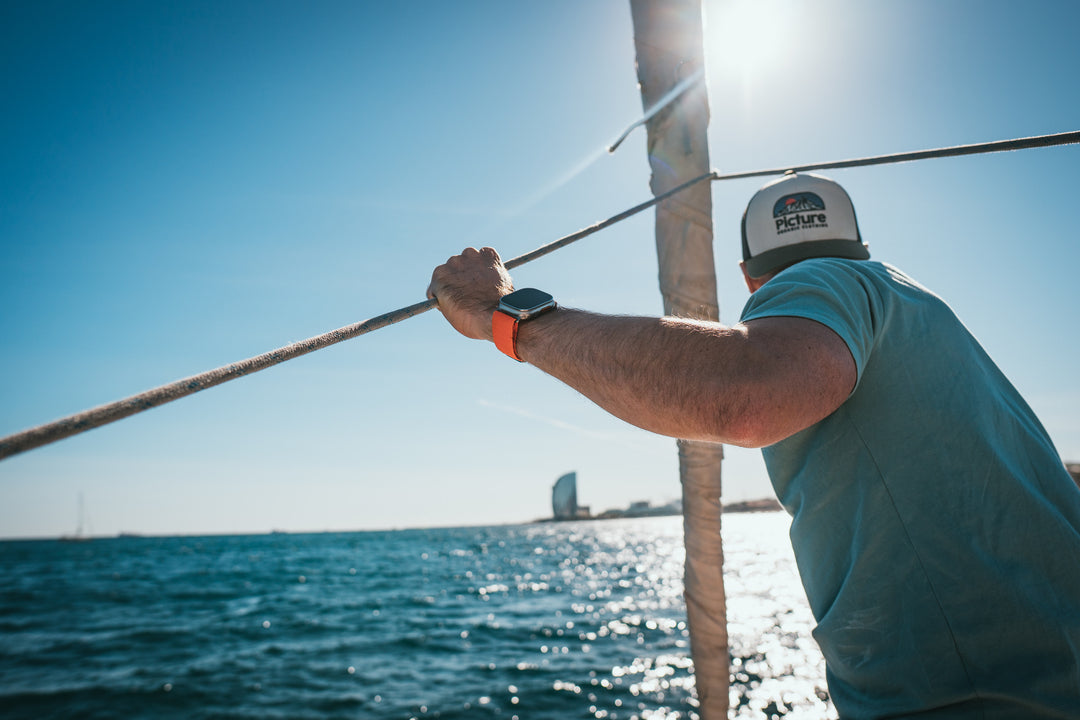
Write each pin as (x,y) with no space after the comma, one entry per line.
(799,217)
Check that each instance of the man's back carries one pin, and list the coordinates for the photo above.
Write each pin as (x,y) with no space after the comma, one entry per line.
(936,529)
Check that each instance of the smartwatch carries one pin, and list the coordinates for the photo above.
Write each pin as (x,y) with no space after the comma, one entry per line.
(514,309)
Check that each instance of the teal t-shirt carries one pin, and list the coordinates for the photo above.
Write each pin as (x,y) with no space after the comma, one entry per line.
(936,530)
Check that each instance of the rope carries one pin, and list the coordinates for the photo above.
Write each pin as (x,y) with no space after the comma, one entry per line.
(989,147)
(111,412)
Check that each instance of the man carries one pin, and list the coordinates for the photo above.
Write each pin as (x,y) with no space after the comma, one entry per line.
(936,529)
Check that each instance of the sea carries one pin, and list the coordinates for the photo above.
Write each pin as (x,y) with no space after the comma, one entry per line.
(519,622)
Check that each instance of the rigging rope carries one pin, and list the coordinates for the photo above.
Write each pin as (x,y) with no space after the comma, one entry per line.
(111,412)
(1036,141)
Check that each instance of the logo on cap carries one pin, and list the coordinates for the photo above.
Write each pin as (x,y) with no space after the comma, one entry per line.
(799,211)
(799,202)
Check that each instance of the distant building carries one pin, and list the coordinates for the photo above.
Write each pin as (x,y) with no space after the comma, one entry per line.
(643,508)
(1074,470)
(564,505)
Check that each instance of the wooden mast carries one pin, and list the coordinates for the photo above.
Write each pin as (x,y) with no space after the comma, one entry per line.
(669,46)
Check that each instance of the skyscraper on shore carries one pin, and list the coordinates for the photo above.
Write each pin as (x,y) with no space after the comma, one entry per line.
(564,497)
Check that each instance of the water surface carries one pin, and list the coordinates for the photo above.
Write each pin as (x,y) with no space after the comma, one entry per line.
(560,620)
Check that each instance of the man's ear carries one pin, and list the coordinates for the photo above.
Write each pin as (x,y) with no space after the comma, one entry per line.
(752,284)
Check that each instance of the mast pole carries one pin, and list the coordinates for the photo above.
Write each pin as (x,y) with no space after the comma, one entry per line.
(669,46)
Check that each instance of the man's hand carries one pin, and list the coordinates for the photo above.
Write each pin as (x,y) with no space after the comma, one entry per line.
(468,287)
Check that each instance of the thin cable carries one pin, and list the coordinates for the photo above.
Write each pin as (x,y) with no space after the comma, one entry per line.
(585,232)
(105,414)
(662,103)
(1066,138)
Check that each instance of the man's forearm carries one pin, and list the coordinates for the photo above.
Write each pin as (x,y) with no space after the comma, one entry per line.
(666,375)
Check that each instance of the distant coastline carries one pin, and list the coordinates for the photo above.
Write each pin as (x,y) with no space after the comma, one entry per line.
(761,505)
(644,509)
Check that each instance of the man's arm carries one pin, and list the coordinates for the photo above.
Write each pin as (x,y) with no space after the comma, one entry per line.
(749,385)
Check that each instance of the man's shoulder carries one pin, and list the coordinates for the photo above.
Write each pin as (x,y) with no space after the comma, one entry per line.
(824,277)
(831,267)
(841,277)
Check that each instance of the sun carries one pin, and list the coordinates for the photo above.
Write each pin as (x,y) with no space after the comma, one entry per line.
(748,39)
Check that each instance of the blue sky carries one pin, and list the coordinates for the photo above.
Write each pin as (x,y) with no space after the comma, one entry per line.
(189,184)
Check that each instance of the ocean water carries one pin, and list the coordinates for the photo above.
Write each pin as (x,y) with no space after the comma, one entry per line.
(558,620)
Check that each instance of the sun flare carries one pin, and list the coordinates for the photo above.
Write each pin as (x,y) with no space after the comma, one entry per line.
(749,38)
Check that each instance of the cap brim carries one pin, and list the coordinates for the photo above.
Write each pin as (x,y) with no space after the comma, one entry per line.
(777,258)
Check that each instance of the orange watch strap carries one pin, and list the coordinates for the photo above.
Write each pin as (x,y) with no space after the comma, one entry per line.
(504,328)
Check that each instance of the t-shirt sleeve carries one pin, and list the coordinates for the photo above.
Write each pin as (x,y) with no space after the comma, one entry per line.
(824,291)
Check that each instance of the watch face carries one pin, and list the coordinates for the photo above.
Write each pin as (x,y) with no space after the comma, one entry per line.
(526,302)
